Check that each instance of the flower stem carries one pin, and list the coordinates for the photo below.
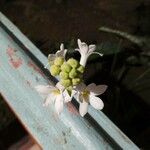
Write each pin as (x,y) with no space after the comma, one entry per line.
(83,61)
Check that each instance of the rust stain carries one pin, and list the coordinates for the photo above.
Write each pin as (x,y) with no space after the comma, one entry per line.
(35,68)
(71,108)
(16,63)
(13,59)
(10,52)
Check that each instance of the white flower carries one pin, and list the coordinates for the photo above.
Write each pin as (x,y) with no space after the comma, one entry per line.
(86,51)
(56,94)
(59,53)
(88,95)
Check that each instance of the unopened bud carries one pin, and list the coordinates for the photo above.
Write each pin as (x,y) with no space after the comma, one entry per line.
(66,82)
(65,67)
(54,70)
(73,73)
(64,75)
(73,62)
(59,61)
(69,90)
(76,81)
(81,69)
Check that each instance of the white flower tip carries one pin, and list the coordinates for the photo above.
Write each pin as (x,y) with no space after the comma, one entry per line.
(49,56)
(103,88)
(61,46)
(83,108)
(79,41)
(92,48)
(76,49)
(82,113)
(101,54)
(101,107)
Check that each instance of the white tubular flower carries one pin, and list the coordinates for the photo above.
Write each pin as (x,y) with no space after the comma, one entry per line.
(86,51)
(60,53)
(56,94)
(88,94)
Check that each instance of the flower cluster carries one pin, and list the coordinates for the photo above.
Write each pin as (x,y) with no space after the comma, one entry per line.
(70,73)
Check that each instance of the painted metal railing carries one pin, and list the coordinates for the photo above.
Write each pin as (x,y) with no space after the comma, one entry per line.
(21,69)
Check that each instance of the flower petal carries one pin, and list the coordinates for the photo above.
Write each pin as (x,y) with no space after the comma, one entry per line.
(51,58)
(83,47)
(67,97)
(83,108)
(61,46)
(91,86)
(44,89)
(96,89)
(59,104)
(96,102)
(79,44)
(80,87)
(61,52)
(79,97)
(73,93)
(92,48)
(59,86)
(49,100)
(77,49)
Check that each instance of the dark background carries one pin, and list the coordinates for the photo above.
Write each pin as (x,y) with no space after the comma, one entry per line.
(125,67)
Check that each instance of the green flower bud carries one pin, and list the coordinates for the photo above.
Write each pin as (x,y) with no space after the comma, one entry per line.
(81,69)
(58,61)
(64,75)
(76,81)
(73,62)
(73,73)
(66,82)
(65,67)
(69,90)
(54,70)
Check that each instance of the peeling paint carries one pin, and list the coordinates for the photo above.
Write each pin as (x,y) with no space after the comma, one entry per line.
(13,59)
(16,63)
(71,108)
(10,52)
